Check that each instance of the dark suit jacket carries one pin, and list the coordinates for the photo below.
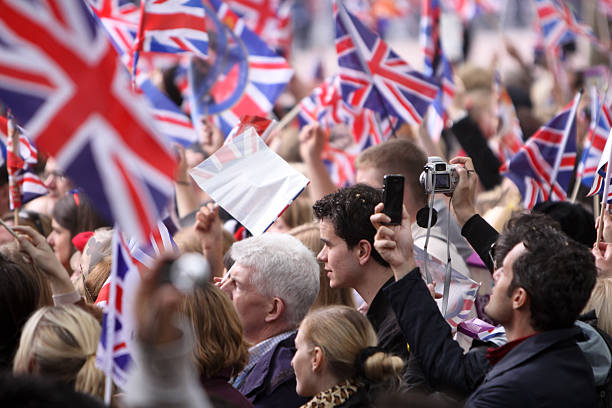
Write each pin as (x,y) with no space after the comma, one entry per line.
(545,370)
(271,382)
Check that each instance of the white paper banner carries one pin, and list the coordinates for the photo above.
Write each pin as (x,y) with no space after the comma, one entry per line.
(249,181)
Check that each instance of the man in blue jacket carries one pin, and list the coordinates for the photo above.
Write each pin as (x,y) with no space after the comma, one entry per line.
(542,283)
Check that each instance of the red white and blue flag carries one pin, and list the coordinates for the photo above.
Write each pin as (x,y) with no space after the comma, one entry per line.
(373,76)
(255,77)
(62,80)
(118,329)
(25,183)
(170,120)
(161,242)
(545,163)
(510,133)
(326,107)
(269,19)
(437,66)
(120,20)
(560,25)
(172,26)
(599,129)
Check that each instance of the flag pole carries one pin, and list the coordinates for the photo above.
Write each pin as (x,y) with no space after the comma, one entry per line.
(289,116)
(568,127)
(588,148)
(348,25)
(604,199)
(13,133)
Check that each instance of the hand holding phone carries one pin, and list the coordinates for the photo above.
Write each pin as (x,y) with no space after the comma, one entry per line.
(393,197)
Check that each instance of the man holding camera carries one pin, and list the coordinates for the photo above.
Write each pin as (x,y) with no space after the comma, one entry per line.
(542,281)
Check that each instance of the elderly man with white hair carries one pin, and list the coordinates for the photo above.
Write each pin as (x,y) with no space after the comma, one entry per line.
(272,284)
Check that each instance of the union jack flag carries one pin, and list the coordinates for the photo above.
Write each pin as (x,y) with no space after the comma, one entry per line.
(24,183)
(118,329)
(546,162)
(255,79)
(63,82)
(161,242)
(373,76)
(262,126)
(600,177)
(269,19)
(120,19)
(559,24)
(169,119)
(326,107)
(172,26)
(436,65)
(599,128)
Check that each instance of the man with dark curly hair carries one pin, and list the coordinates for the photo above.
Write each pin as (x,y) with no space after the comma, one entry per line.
(351,261)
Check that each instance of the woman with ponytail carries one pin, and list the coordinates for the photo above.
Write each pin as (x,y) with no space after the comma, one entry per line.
(337,363)
(60,343)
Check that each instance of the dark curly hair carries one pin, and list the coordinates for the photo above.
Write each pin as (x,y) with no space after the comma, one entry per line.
(557,272)
(349,210)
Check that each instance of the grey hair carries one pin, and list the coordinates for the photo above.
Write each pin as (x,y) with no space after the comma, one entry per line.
(281,267)
(99,246)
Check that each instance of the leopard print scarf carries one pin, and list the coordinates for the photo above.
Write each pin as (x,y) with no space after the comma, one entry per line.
(333,397)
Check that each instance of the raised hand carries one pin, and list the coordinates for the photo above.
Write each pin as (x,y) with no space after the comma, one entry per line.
(394,242)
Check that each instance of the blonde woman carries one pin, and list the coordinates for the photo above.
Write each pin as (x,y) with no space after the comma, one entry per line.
(60,343)
(336,362)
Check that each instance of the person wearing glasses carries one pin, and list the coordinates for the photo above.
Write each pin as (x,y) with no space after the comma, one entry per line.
(58,185)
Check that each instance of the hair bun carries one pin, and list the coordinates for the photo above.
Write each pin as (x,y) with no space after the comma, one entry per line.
(362,357)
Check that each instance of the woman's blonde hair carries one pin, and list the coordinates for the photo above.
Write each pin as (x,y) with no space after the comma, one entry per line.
(343,334)
(218,333)
(601,302)
(309,235)
(61,342)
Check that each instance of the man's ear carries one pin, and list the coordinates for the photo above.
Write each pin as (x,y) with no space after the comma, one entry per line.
(364,251)
(520,298)
(317,359)
(276,309)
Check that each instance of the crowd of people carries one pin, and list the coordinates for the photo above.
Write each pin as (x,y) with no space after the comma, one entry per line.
(331,306)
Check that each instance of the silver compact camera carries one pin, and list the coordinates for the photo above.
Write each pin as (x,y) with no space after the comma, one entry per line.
(438,176)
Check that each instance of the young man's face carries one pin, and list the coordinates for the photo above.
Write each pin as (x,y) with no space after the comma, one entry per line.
(499,307)
(341,263)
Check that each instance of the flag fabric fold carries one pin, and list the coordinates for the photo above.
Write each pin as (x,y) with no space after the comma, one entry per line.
(545,163)
(599,129)
(63,82)
(373,76)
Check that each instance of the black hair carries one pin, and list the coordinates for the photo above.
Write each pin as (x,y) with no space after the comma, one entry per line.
(575,221)
(349,210)
(76,213)
(557,273)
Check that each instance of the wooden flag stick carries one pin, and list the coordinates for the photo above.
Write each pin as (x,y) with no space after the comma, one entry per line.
(288,118)
(604,208)
(15,192)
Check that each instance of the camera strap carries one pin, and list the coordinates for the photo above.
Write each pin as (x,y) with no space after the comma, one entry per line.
(428,277)
(447,275)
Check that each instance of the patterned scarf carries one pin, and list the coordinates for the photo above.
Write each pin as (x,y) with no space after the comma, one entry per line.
(333,397)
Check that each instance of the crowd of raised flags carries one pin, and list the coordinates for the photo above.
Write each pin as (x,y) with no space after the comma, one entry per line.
(75,76)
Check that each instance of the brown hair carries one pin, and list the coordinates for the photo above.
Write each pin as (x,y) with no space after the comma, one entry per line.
(22,291)
(218,333)
(397,156)
(76,213)
(343,334)
(309,235)
(298,213)
(187,240)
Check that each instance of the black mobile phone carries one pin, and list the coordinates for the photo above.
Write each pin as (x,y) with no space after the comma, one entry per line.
(393,197)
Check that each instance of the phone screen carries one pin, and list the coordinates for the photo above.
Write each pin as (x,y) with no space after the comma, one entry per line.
(393,197)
